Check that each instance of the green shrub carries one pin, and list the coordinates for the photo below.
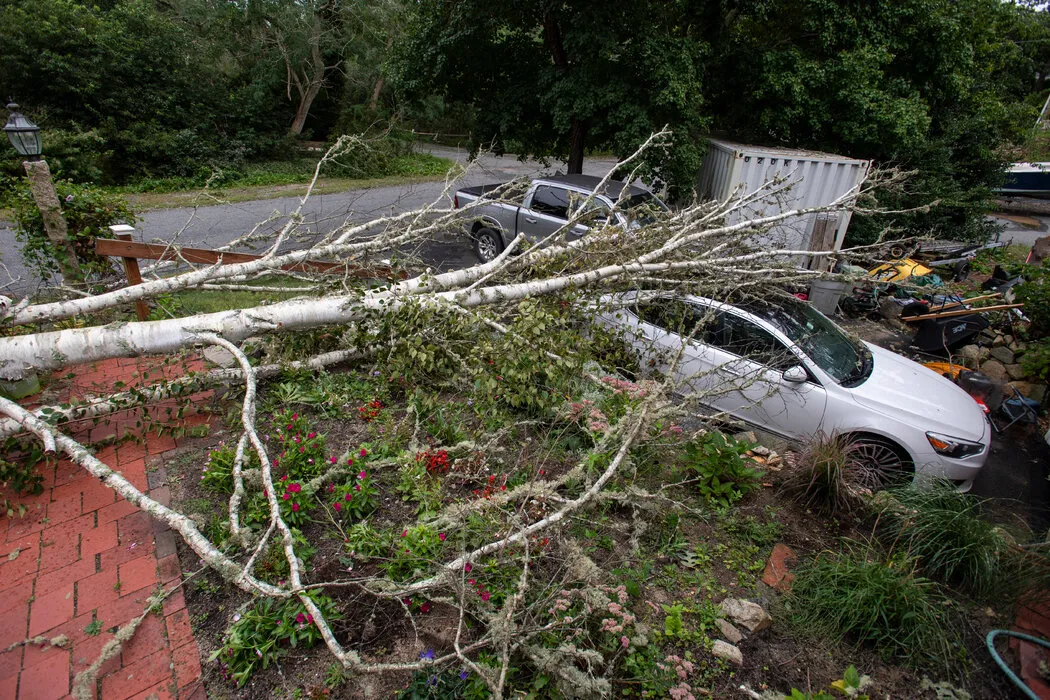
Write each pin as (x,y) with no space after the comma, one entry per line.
(1036,361)
(19,473)
(881,602)
(415,550)
(944,531)
(354,500)
(217,475)
(262,634)
(723,476)
(88,212)
(1035,295)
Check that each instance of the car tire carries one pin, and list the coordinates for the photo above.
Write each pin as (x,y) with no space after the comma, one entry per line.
(487,244)
(882,462)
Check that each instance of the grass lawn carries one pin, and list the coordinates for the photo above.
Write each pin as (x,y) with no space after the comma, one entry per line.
(269,180)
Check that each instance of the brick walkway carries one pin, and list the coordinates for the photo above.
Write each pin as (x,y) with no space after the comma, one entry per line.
(1033,619)
(80,555)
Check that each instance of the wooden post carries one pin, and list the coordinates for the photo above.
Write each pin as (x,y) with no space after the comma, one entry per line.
(131,268)
(46,199)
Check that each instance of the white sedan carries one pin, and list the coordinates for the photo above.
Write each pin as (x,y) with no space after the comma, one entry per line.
(789,370)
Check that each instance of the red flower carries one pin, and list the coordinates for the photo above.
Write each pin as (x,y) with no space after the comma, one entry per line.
(338,506)
(441,536)
(295,507)
(348,497)
(467,567)
(424,608)
(363,452)
(485,595)
(286,496)
(295,488)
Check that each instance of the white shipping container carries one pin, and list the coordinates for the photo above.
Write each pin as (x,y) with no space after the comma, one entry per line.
(734,170)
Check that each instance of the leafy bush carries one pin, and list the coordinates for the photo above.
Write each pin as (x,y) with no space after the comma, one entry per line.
(302,450)
(878,601)
(261,635)
(827,474)
(944,531)
(414,552)
(364,542)
(356,499)
(723,476)
(19,475)
(295,503)
(1035,295)
(1036,360)
(88,212)
(217,475)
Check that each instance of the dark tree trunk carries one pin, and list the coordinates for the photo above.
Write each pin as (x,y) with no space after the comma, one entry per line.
(577,139)
(578,130)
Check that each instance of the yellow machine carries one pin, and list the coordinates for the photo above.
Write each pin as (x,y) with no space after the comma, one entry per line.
(899,270)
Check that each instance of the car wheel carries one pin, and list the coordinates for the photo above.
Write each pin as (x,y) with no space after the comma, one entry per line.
(487,244)
(882,462)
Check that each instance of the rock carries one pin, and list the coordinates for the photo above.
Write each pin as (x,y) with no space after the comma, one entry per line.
(998,340)
(777,575)
(219,356)
(994,370)
(730,633)
(748,437)
(983,354)
(969,352)
(1015,371)
(1036,392)
(746,614)
(1003,354)
(889,308)
(724,650)
(1016,345)
(760,451)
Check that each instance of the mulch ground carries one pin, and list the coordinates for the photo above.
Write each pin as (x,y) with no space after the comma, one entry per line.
(81,554)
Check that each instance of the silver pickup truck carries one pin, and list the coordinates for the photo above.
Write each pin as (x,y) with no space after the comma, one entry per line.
(547,206)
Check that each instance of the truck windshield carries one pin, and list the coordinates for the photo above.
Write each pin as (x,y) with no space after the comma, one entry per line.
(641,209)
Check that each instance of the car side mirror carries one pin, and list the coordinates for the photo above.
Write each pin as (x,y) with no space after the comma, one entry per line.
(795,375)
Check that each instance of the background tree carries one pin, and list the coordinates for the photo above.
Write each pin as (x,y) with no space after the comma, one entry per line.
(553,79)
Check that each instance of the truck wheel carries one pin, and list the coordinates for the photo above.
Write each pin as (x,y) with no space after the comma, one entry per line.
(487,244)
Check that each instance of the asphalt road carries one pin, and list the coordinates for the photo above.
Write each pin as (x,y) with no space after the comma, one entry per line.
(213,226)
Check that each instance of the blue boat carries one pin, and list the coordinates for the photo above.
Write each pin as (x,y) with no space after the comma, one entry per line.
(1027,180)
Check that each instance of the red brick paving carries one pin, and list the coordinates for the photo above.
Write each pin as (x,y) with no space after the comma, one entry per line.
(1033,618)
(85,554)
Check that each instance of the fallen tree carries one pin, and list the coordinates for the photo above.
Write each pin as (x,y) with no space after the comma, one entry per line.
(692,250)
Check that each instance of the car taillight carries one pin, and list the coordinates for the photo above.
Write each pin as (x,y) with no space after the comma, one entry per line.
(455,201)
(983,405)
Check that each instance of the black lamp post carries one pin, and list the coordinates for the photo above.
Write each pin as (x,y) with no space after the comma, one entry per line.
(23,134)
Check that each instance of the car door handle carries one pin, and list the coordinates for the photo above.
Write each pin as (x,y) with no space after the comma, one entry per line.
(530,219)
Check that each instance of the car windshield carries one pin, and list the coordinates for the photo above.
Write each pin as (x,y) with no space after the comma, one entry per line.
(844,359)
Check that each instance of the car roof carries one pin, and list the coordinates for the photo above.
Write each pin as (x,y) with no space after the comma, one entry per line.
(612,188)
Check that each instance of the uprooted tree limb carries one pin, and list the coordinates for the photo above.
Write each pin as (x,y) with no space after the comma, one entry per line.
(701,248)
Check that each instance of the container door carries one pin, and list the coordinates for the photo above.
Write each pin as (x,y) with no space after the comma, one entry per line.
(825,229)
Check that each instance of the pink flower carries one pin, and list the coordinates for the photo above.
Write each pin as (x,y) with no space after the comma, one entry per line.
(348,497)
(311,436)
(625,641)
(350,462)
(284,478)
(441,536)
(332,460)
(364,452)
(309,618)
(300,618)
(362,475)
(295,416)
(406,601)
(357,487)
(424,608)
(467,567)
(338,506)
(470,581)
(302,449)
(331,488)
(295,507)
(404,533)
(286,496)
(295,488)
(485,595)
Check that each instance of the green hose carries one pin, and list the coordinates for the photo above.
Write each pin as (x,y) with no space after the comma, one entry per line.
(990,641)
